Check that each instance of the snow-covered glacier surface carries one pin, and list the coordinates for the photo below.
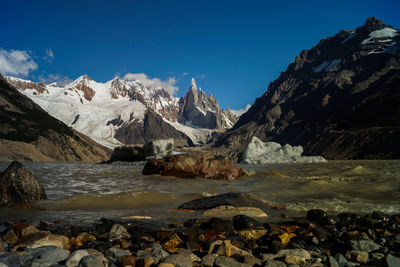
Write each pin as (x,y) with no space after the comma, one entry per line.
(258,152)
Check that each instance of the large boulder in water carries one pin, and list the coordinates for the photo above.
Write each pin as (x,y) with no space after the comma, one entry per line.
(154,149)
(19,186)
(194,165)
(258,152)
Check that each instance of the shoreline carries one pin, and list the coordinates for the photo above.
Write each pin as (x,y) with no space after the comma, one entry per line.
(316,240)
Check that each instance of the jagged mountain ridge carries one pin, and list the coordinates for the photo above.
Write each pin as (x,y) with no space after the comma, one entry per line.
(28,133)
(120,111)
(339,99)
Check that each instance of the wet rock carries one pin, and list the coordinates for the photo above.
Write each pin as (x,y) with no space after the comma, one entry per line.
(231,211)
(231,199)
(341,260)
(209,260)
(2,247)
(244,222)
(377,256)
(194,165)
(165,265)
(392,261)
(274,263)
(226,249)
(19,186)
(90,261)
(11,259)
(295,259)
(118,232)
(41,239)
(364,245)
(317,215)
(298,252)
(145,262)
(181,259)
(222,261)
(75,257)
(115,254)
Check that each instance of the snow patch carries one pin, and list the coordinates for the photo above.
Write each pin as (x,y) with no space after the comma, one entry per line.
(241,111)
(258,152)
(379,34)
(349,37)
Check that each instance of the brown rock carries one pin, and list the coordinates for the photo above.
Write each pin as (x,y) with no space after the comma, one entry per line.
(19,186)
(128,261)
(194,165)
(145,262)
(23,230)
(40,239)
(1,246)
(10,237)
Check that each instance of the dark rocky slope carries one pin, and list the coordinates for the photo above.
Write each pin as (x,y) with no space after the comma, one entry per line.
(28,133)
(339,99)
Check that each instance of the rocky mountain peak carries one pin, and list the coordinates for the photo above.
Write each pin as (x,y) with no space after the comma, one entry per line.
(373,24)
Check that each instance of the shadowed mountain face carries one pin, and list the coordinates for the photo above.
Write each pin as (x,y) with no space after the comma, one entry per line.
(339,99)
(28,133)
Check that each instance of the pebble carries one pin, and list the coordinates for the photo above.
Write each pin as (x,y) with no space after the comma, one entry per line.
(209,260)
(115,254)
(118,232)
(90,261)
(364,245)
(11,259)
(180,259)
(274,263)
(76,257)
(359,256)
(222,261)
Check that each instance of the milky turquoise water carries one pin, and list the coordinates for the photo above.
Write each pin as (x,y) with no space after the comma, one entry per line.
(83,193)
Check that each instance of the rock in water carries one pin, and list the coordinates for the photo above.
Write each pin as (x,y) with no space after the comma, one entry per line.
(258,152)
(18,186)
(194,165)
(154,149)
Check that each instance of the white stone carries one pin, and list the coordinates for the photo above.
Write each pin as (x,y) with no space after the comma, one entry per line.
(258,152)
(162,147)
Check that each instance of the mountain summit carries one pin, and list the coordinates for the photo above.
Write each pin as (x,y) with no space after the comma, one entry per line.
(340,99)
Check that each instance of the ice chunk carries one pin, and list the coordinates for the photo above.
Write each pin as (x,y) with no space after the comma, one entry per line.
(258,152)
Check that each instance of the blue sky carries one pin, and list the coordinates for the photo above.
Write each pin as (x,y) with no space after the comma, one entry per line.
(232,48)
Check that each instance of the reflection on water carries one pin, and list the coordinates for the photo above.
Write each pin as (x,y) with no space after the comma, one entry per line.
(87,192)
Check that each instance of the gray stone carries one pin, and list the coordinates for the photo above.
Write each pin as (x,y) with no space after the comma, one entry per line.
(90,261)
(302,253)
(364,245)
(209,260)
(359,256)
(118,232)
(3,265)
(10,258)
(157,253)
(76,257)
(115,254)
(251,260)
(377,256)
(332,262)
(392,261)
(274,263)
(49,256)
(179,260)
(341,260)
(222,261)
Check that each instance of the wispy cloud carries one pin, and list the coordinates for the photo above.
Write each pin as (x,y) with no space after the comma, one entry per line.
(58,78)
(16,62)
(49,55)
(239,112)
(169,85)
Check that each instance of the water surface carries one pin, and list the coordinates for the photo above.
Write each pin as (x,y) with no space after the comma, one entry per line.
(83,193)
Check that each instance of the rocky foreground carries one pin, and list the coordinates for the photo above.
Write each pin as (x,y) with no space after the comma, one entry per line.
(319,240)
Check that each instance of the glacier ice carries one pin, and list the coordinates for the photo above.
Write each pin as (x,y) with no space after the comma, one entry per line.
(258,152)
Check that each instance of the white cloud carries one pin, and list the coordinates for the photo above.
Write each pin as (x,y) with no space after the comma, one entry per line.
(168,86)
(239,112)
(16,62)
(49,55)
(58,78)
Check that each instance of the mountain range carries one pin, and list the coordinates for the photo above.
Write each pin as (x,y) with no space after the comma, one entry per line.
(339,99)
(127,112)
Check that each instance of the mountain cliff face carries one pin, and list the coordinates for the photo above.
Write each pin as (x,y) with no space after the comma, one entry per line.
(339,99)
(202,111)
(28,133)
(127,112)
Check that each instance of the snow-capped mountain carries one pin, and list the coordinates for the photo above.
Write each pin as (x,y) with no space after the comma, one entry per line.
(126,112)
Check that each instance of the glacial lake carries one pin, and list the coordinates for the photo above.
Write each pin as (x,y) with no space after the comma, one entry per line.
(84,193)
